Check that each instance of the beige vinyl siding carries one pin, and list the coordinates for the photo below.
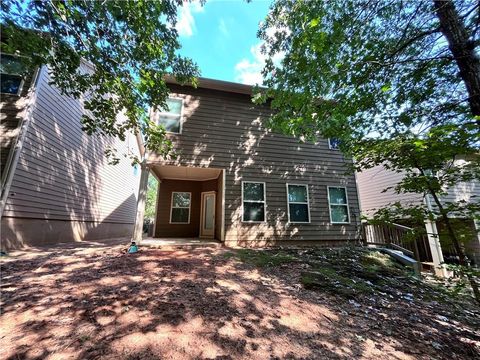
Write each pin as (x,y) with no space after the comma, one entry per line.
(372,182)
(63,173)
(224,130)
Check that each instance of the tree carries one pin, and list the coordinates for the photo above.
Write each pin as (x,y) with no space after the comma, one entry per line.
(131,45)
(397,81)
(151,201)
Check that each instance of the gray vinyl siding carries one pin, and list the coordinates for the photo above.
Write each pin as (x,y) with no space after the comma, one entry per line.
(469,192)
(464,191)
(63,174)
(224,130)
(371,184)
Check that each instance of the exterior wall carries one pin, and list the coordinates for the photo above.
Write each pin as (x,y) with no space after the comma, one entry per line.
(372,182)
(38,232)
(465,191)
(163,228)
(224,130)
(63,176)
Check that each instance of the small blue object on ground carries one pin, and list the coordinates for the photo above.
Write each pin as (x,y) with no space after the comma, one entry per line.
(133,248)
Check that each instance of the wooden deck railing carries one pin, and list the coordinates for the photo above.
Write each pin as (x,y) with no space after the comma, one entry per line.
(398,237)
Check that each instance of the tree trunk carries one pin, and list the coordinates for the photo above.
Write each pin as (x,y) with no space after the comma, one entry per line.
(462,48)
(142,195)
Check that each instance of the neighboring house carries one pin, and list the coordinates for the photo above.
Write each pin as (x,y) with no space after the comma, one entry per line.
(235,181)
(372,183)
(56,183)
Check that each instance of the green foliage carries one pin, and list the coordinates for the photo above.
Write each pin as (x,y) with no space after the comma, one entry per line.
(151,200)
(354,66)
(128,47)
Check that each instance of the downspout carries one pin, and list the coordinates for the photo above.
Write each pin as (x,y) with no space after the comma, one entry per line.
(358,222)
(14,156)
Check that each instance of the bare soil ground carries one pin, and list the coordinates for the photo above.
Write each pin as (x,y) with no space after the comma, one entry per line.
(92,302)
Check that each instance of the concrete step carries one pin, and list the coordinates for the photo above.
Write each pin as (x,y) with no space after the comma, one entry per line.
(403,259)
(180,243)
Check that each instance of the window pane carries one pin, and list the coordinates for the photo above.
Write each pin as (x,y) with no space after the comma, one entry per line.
(337,196)
(174,106)
(253,211)
(297,193)
(181,199)
(253,191)
(171,124)
(339,213)
(180,215)
(10,84)
(299,213)
(334,143)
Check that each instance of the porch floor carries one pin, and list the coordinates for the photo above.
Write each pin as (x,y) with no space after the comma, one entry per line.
(180,242)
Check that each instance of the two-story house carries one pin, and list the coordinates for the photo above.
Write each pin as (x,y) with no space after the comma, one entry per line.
(235,181)
(57,185)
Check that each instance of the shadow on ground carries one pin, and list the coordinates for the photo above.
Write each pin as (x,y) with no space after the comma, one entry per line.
(99,302)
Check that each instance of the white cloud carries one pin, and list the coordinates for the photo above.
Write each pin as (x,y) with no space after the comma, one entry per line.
(250,71)
(186,21)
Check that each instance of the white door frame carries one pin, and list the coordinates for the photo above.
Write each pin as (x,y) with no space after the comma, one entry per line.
(203,233)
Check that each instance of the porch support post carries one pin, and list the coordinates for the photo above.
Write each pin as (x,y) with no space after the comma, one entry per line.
(435,248)
(142,195)
(434,242)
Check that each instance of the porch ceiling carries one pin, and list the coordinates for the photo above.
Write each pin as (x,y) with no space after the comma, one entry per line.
(185,173)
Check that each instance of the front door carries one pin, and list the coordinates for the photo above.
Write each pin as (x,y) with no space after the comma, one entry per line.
(207,220)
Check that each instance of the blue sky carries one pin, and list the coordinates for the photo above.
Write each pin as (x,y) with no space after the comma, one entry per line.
(221,38)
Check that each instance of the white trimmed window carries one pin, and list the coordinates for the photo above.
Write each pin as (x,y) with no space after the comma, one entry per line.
(338,203)
(333,144)
(253,200)
(180,209)
(11,80)
(171,118)
(298,203)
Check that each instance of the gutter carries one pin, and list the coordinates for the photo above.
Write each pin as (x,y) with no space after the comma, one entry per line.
(14,155)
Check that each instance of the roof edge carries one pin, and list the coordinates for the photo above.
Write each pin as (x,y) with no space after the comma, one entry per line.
(221,85)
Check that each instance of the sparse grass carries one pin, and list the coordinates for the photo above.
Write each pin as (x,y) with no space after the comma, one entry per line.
(262,258)
(331,280)
(347,271)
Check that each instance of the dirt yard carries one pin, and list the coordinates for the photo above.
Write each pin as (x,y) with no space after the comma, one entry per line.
(97,302)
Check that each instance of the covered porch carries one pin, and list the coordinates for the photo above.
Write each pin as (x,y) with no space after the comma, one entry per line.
(190,205)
